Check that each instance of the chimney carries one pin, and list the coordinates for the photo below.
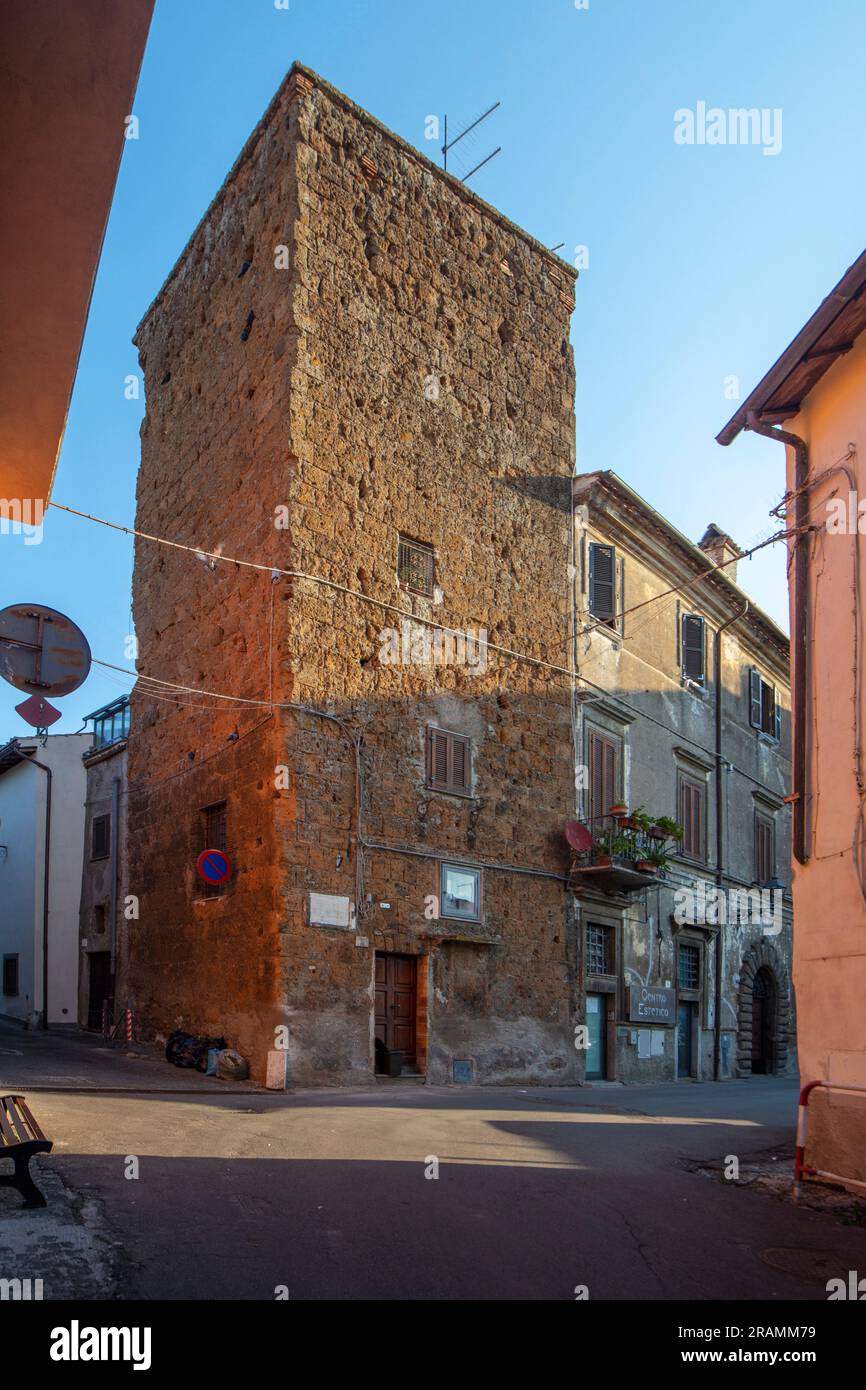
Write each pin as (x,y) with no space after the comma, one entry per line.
(718,547)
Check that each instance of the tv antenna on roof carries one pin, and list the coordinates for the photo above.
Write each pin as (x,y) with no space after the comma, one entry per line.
(449,144)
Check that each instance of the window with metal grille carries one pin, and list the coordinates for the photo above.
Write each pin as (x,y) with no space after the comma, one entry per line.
(692,819)
(100,843)
(764,711)
(215,837)
(416,567)
(690,967)
(692,648)
(598,950)
(765,849)
(448,762)
(10,975)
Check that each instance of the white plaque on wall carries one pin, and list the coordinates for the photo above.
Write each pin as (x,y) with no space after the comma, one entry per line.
(330,910)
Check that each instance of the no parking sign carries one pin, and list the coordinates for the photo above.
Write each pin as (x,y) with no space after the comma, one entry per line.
(214,866)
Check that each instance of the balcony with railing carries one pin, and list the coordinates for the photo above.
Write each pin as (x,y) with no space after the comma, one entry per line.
(621,852)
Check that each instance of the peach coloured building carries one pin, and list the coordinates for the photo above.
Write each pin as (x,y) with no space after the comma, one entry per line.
(813,401)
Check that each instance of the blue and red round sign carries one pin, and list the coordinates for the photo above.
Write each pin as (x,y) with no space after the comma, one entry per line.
(214,866)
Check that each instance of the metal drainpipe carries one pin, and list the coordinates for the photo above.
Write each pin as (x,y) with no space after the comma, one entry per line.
(717,673)
(800,635)
(46,884)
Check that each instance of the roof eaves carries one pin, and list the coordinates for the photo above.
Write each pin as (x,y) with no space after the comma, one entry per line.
(848,288)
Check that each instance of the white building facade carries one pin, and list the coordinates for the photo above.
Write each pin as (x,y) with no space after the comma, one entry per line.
(42,816)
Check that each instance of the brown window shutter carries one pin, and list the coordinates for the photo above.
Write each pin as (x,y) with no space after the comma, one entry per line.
(459,770)
(448,761)
(692,819)
(603,770)
(609,795)
(437,755)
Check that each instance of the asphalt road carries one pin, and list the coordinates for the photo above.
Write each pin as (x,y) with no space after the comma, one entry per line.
(325,1193)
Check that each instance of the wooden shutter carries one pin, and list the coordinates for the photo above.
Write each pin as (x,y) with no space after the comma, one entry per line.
(459,774)
(693,648)
(777,722)
(755,698)
(602,582)
(448,761)
(765,849)
(603,778)
(101,842)
(692,818)
(620,594)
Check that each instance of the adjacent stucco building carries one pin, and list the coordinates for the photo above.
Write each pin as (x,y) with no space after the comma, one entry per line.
(104,909)
(813,402)
(683,712)
(42,789)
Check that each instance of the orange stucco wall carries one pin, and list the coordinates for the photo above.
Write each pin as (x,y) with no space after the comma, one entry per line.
(829,893)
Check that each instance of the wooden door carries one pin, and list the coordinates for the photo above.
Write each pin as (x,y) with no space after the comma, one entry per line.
(100,987)
(760,1025)
(396,1004)
(685,1014)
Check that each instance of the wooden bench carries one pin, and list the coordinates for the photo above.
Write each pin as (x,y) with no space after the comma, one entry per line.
(20,1139)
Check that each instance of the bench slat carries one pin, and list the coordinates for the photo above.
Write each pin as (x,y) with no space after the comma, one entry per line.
(5,1128)
(24,1109)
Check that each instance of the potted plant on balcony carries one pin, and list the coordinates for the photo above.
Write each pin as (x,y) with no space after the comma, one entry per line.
(667,829)
(619,809)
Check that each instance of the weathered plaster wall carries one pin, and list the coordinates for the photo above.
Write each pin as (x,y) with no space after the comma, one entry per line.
(830,956)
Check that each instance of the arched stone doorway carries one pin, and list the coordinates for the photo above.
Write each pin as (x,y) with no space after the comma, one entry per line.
(763,1014)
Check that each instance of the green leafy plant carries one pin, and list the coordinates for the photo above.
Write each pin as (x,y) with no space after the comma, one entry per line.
(673,830)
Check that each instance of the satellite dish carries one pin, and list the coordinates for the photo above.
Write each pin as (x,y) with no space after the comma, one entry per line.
(42,652)
(578,836)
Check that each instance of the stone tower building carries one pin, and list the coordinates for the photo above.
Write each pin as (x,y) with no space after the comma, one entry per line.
(357,372)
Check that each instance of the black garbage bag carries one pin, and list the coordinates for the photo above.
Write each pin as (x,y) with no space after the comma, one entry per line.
(191,1049)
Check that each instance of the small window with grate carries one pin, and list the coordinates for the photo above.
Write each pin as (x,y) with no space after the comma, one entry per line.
(690,967)
(100,842)
(599,955)
(215,837)
(448,762)
(416,566)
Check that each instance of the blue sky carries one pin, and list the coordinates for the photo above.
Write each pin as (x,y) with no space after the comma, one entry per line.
(704,261)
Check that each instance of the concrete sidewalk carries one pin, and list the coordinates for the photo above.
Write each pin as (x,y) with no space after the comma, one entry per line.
(33,1061)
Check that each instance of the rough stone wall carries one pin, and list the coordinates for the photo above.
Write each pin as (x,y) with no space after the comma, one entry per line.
(403,282)
(215,463)
(395,277)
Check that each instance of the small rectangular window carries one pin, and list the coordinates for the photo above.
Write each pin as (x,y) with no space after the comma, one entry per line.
(100,844)
(693,648)
(765,849)
(215,837)
(599,956)
(460,892)
(692,819)
(689,967)
(416,566)
(10,975)
(764,711)
(448,762)
(602,583)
